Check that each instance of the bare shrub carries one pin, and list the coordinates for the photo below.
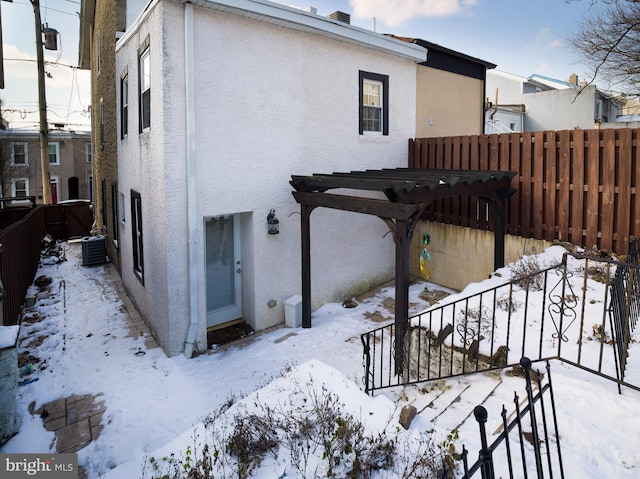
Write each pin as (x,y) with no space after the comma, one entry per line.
(526,273)
(508,303)
(321,438)
(475,323)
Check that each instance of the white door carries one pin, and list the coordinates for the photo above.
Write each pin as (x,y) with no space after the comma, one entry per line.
(223,269)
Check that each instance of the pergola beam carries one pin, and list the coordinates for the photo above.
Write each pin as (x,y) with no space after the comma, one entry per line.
(368,206)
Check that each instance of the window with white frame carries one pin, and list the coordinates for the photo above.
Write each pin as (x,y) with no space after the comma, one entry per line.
(374,103)
(98,53)
(136,232)
(19,154)
(88,152)
(20,187)
(124,105)
(101,123)
(121,210)
(54,153)
(144,80)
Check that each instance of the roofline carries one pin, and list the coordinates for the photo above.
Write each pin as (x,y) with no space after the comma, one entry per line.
(297,19)
(26,133)
(554,80)
(434,46)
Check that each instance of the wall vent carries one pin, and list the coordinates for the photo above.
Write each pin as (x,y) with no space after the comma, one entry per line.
(341,17)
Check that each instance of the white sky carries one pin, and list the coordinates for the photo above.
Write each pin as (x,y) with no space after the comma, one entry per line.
(521,37)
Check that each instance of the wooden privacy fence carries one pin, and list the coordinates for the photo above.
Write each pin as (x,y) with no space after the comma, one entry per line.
(19,260)
(21,244)
(579,186)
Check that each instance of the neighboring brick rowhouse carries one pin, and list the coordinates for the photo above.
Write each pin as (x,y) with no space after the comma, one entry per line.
(109,19)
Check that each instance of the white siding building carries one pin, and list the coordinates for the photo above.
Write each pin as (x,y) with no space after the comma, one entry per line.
(546,104)
(226,100)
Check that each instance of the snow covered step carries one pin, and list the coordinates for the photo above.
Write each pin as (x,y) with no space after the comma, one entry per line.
(455,406)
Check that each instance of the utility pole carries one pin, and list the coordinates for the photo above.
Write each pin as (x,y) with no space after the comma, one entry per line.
(44,129)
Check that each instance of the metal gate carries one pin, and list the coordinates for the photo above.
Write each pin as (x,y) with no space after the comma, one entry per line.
(530,452)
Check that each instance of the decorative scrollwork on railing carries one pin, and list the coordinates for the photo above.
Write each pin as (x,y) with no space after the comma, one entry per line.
(562,305)
(467,333)
(367,379)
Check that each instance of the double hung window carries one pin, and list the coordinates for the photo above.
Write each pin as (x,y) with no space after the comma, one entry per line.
(144,72)
(19,154)
(374,103)
(136,231)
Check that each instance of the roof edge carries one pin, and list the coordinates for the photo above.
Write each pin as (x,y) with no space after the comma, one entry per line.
(303,20)
(87,12)
(434,46)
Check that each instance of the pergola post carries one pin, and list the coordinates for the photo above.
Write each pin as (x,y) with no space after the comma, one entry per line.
(496,202)
(499,230)
(305,238)
(402,237)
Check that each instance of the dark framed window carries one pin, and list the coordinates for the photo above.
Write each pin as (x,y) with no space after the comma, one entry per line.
(374,103)
(103,199)
(136,232)
(124,106)
(115,233)
(144,88)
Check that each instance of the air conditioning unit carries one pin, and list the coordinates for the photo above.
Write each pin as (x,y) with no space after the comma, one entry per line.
(94,250)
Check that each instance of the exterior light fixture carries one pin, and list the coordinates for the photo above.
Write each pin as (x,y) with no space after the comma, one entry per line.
(273,224)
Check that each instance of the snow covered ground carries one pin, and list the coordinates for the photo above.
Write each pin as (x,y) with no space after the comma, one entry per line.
(154,403)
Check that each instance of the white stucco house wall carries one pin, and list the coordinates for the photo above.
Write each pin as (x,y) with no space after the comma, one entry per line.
(566,109)
(236,96)
(547,103)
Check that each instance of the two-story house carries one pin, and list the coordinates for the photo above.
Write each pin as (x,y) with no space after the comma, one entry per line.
(225,101)
(218,103)
(70,164)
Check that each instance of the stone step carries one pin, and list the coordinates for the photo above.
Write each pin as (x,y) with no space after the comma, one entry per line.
(459,412)
(449,404)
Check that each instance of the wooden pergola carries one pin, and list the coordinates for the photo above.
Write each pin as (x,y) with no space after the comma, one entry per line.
(408,192)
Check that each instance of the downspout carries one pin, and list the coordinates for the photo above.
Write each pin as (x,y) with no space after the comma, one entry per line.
(484,101)
(192,216)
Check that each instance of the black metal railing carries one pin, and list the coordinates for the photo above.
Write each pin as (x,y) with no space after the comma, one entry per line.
(558,312)
(542,456)
(624,307)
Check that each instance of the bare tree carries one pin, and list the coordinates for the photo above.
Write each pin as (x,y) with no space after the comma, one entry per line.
(609,43)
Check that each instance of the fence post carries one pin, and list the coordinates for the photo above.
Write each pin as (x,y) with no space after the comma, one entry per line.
(486,459)
(526,366)
(367,360)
